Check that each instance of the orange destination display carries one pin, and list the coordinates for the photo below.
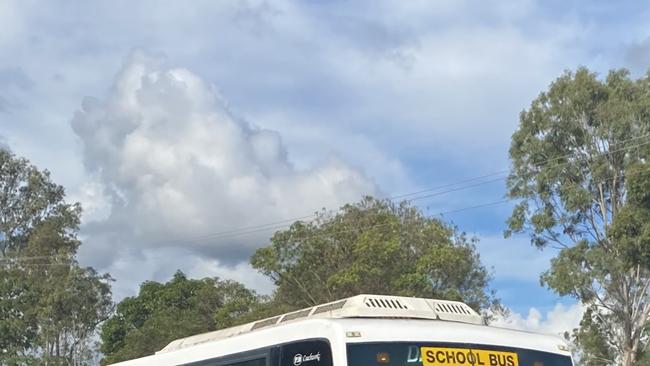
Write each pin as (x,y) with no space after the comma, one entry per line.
(439,356)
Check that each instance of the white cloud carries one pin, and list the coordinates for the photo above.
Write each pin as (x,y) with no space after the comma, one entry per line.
(513,258)
(424,81)
(95,203)
(357,148)
(560,319)
(416,78)
(131,269)
(174,164)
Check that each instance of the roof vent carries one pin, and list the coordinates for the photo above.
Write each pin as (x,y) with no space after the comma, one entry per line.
(265,323)
(455,311)
(451,309)
(296,315)
(329,307)
(384,303)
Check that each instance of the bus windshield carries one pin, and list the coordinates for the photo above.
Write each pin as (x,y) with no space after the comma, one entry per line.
(448,354)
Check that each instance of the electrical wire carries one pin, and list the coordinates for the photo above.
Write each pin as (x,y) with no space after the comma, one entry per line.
(272,226)
(417,196)
(441,214)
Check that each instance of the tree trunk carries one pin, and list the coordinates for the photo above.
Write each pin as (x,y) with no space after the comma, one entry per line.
(629,356)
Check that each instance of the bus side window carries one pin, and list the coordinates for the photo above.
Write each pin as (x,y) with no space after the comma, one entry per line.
(253,362)
(306,353)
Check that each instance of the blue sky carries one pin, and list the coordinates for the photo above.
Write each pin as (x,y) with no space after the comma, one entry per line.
(256,111)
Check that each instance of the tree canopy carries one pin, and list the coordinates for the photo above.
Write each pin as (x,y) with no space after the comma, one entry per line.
(49,305)
(376,247)
(580,173)
(163,312)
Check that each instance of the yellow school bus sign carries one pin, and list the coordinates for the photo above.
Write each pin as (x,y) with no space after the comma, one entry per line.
(438,356)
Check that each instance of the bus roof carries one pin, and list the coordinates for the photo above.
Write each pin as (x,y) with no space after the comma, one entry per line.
(360,306)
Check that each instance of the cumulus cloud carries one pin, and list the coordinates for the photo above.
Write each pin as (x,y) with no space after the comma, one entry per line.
(560,319)
(159,265)
(514,258)
(171,165)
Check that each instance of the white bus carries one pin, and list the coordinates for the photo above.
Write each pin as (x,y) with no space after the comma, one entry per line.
(367,330)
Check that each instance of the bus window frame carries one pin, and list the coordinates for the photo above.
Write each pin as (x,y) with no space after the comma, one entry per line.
(234,358)
(271,355)
(447,344)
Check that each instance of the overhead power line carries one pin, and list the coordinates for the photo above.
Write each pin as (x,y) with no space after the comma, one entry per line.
(417,195)
(414,196)
(24,261)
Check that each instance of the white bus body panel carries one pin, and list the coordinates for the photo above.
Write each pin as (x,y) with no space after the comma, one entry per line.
(370,330)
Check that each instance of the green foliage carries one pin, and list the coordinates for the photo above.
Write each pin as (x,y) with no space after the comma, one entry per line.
(179,308)
(27,198)
(593,335)
(580,173)
(373,247)
(49,305)
(238,305)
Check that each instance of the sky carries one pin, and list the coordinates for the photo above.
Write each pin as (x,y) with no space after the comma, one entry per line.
(175,123)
